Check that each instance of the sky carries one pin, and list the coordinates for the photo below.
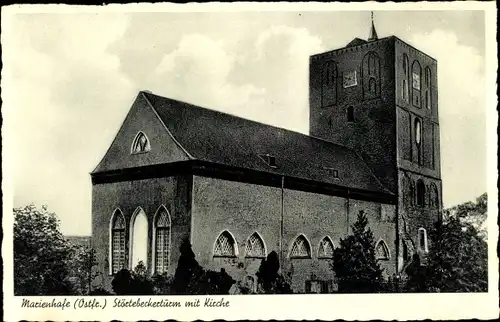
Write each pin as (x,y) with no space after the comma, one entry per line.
(69,80)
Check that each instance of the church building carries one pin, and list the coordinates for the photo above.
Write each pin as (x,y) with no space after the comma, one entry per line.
(239,189)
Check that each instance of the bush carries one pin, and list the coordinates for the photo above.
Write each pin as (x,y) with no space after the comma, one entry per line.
(191,278)
(162,284)
(269,280)
(133,283)
(122,282)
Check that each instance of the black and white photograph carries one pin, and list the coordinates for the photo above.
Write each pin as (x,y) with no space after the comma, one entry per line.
(232,155)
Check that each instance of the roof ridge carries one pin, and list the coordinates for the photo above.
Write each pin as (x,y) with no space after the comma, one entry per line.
(143,93)
(247,120)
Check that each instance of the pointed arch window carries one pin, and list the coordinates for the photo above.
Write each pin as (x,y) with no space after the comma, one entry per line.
(117,242)
(412,193)
(428,80)
(255,247)
(416,79)
(418,139)
(406,75)
(225,245)
(138,238)
(325,248)
(162,240)
(420,193)
(350,114)
(422,239)
(300,248)
(381,250)
(405,251)
(140,144)
(371,75)
(329,84)
(434,196)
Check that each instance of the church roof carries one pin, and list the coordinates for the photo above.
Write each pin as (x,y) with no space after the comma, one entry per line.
(224,139)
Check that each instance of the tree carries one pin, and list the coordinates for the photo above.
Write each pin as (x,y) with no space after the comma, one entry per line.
(191,278)
(81,266)
(41,253)
(268,277)
(457,261)
(474,213)
(186,267)
(354,262)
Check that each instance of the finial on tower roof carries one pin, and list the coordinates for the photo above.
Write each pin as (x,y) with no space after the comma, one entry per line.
(373,32)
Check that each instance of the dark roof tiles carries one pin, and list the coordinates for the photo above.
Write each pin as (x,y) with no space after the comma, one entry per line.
(221,138)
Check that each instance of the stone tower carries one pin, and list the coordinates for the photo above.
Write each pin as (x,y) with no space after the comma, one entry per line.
(380,97)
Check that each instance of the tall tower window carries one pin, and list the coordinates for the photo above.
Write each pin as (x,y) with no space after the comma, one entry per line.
(422,239)
(350,114)
(416,78)
(420,193)
(406,74)
(329,84)
(418,139)
(434,196)
(428,79)
(371,75)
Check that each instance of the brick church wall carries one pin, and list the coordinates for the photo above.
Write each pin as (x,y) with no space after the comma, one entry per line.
(150,194)
(243,208)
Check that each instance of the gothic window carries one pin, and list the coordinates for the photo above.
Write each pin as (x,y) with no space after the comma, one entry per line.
(329,84)
(418,139)
(140,144)
(117,241)
(325,248)
(255,247)
(372,85)
(381,250)
(434,196)
(422,239)
(416,79)
(412,194)
(139,238)
(420,193)
(225,245)
(162,240)
(405,78)
(371,75)
(300,248)
(418,131)
(405,251)
(350,114)
(428,80)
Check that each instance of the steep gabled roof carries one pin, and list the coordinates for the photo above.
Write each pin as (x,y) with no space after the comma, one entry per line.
(225,139)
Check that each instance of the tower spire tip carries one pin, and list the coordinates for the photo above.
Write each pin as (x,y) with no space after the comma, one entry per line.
(373,33)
